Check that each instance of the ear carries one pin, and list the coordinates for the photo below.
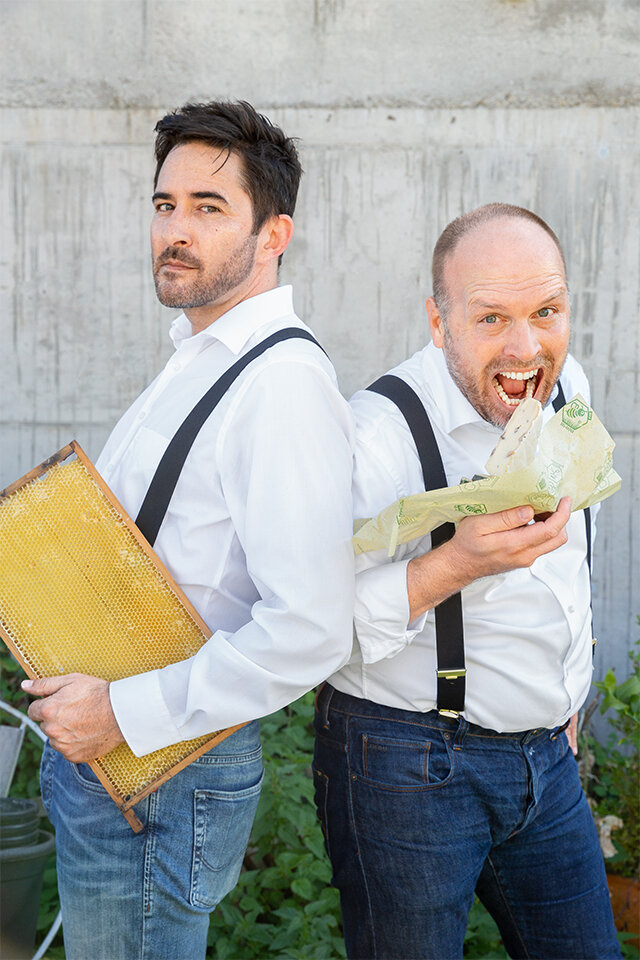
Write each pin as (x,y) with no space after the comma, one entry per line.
(436,323)
(275,236)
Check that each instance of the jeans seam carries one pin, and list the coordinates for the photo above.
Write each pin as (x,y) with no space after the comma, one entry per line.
(355,834)
(507,905)
(149,851)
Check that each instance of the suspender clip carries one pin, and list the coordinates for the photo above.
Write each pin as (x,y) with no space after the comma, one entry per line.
(454,714)
(451,674)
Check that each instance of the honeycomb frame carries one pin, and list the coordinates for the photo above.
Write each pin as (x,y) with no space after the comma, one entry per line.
(82,591)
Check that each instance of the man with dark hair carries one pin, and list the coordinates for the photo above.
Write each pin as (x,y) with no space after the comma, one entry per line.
(257,533)
(441,764)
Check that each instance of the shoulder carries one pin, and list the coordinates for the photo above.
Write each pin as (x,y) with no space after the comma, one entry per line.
(386,461)
(574,379)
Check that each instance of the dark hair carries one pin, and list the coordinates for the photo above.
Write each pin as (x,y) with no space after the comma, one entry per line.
(458,228)
(271,168)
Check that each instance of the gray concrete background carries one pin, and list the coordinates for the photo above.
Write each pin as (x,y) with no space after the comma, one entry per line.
(409,112)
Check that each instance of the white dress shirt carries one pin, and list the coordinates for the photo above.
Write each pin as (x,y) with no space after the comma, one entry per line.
(258,531)
(527,632)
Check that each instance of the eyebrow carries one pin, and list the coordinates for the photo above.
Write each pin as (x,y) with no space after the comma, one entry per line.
(196,195)
(497,306)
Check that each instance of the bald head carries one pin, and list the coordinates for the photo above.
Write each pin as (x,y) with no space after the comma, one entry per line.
(465,225)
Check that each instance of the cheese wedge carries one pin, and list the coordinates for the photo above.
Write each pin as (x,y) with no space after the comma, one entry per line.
(517,446)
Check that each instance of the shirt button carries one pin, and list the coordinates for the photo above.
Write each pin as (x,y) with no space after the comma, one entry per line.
(571,608)
(141,415)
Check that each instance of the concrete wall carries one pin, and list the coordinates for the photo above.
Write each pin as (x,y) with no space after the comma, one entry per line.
(409,112)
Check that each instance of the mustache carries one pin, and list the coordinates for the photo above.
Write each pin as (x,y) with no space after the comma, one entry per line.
(542,360)
(178,255)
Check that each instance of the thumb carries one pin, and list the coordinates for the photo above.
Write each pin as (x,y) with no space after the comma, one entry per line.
(45,686)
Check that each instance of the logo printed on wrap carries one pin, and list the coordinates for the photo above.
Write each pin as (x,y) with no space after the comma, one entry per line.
(472,508)
(576,414)
(550,479)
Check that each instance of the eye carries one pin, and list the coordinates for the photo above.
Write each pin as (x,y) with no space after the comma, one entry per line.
(209,208)
(490,318)
(545,312)
(163,207)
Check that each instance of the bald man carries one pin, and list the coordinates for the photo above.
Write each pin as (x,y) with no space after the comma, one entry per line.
(442,767)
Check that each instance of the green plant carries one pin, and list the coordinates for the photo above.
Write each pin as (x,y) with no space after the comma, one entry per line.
(611,771)
(283,905)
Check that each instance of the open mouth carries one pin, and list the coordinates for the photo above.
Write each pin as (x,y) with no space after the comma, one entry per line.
(513,386)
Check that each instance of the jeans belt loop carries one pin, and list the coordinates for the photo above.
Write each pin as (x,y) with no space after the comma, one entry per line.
(323,701)
(556,733)
(458,740)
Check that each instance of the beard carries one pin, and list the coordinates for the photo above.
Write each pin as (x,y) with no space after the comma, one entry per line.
(202,287)
(478,387)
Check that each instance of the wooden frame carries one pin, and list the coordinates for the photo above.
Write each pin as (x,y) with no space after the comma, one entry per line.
(101,766)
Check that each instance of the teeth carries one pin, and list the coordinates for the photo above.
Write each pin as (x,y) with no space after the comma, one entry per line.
(526,375)
(512,401)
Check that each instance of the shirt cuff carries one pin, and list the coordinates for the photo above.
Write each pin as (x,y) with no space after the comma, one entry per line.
(382,612)
(142,713)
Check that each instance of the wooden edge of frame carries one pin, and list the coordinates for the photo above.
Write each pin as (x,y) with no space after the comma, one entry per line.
(39,470)
(180,765)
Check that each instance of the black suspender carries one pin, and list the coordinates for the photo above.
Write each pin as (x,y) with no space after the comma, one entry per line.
(449,624)
(449,627)
(156,501)
(558,403)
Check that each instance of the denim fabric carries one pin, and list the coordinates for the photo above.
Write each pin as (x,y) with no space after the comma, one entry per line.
(419,811)
(148,896)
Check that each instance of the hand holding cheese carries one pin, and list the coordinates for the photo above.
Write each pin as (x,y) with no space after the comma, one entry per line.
(494,543)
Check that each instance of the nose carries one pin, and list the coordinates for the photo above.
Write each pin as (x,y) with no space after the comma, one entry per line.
(523,341)
(175,229)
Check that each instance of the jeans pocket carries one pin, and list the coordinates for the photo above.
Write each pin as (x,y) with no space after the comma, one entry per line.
(222,827)
(87,778)
(404,765)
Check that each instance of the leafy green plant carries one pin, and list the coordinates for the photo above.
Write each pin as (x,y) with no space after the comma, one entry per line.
(283,905)
(611,771)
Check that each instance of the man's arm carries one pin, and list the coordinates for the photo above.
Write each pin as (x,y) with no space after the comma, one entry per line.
(483,546)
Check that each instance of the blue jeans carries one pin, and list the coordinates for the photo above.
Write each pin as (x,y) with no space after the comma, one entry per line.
(148,896)
(419,811)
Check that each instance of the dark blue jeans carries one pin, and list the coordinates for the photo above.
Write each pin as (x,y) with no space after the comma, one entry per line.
(419,811)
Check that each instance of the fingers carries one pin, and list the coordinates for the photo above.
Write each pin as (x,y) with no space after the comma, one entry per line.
(504,520)
(45,686)
(495,543)
(572,734)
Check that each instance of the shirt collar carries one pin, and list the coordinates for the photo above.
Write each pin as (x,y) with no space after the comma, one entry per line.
(235,327)
(457,411)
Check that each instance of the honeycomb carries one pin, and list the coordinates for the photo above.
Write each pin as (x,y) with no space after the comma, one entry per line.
(79,593)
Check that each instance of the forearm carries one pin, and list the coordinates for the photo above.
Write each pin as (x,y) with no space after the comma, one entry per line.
(483,546)
(433,577)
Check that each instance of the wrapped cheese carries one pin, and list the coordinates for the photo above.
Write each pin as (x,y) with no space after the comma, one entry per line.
(518,444)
